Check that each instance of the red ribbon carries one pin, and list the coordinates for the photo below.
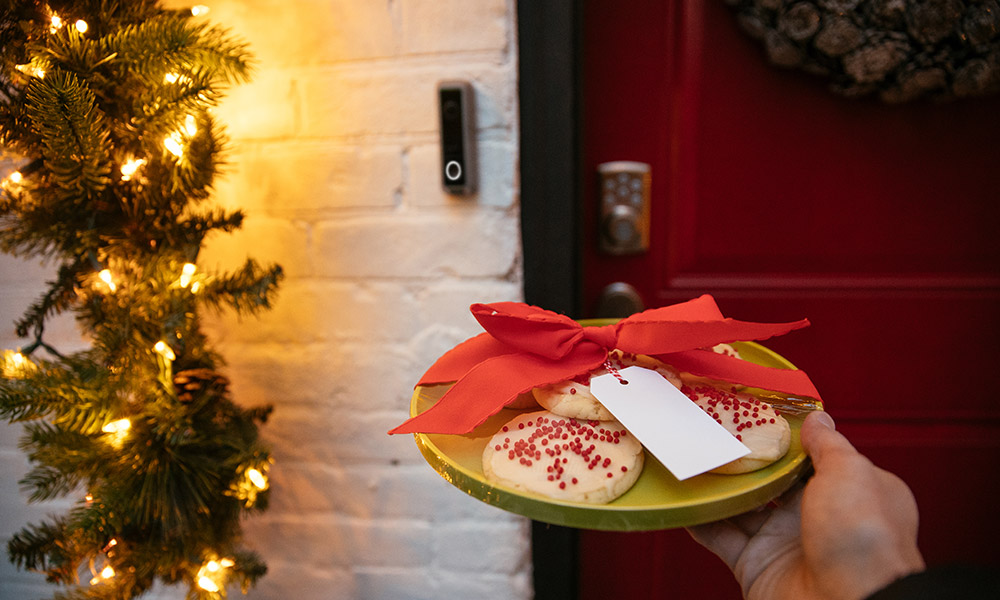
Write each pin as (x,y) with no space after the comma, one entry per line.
(525,347)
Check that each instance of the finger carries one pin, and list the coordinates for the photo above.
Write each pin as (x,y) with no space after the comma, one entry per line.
(721,538)
(821,440)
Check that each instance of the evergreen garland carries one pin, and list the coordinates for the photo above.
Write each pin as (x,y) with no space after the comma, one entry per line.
(105,108)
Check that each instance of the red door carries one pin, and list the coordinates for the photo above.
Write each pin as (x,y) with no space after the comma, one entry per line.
(879,223)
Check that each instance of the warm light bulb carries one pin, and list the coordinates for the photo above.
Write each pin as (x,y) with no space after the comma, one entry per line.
(187,272)
(119,426)
(226,562)
(107,572)
(105,276)
(199,10)
(15,177)
(15,364)
(212,566)
(31,70)
(164,350)
(207,584)
(173,144)
(190,125)
(81,26)
(257,478)
(171,78)
(195,287)
(130,167)
(55,24)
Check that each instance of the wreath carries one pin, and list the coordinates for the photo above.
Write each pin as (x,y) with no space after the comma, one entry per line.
(896,50)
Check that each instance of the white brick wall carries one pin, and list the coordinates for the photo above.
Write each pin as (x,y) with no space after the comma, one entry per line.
(335,160)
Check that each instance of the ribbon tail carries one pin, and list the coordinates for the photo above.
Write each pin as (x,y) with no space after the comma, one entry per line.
(734,370)
(664,337)
(455,363)
(495,383)
(702,308)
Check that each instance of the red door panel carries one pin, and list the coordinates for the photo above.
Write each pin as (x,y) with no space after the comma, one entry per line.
(879,223)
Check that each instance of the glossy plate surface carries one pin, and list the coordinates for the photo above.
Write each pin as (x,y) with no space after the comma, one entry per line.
(656,501)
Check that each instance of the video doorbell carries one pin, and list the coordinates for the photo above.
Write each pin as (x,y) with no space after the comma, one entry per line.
(458,142)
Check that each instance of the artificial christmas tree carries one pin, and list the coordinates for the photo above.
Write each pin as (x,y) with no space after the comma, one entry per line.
(106,111)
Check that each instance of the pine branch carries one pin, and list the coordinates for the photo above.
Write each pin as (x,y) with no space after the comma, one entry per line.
(74,137)
(58,391)
(58,298)
(247,290)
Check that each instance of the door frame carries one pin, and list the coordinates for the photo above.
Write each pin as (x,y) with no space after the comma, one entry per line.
(551,108)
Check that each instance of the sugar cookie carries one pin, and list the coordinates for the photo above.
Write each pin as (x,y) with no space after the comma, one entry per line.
(573,398)
(564,459)
(761,429)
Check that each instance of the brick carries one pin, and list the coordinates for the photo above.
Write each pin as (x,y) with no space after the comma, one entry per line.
(366,491)
(307,311)
(497,164)
(269,106)
(266,240)
(447,26)
(312,179)
(398,584)
(365,100)
(499,546)
(344,541)
(309,31)
(458,584)
(448,301)
(293,580)
(477,244)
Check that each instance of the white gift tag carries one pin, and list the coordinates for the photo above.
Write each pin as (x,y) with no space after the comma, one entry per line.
(674,429)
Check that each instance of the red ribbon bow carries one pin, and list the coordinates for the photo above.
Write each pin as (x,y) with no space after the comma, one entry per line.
(525,347)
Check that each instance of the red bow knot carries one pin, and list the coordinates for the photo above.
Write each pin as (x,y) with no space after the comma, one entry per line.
(526,347)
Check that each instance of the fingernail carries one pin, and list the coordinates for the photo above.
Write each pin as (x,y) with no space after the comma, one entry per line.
(824,418)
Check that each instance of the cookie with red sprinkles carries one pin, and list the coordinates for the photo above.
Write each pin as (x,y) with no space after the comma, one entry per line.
(564,458)
(754,422)
(573,398)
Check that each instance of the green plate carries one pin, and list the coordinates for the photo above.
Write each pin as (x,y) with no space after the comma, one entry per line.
(656,501)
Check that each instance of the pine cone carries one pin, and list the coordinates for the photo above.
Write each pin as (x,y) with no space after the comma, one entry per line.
(192,383)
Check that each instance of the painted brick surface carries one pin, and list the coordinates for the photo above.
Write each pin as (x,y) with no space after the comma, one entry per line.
(335,161)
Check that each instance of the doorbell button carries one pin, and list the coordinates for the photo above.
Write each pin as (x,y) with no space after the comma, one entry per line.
(458,143)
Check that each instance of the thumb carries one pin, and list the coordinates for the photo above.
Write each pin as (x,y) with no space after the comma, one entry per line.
(821,440)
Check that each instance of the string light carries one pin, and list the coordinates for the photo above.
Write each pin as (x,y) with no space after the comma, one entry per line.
(257,478)
(130,167)
(173,144)
(16,364)
(176,78)
(106,573)
(253,482)
(164,350)
(15,177)
(211,576)
(187,272)
(106,277)
(117,426)
(81,26)
(190,125)
(55,23)
(199,10)
(31,70)
(118,430)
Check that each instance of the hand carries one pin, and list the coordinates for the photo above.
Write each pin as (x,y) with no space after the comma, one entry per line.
(848,533)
